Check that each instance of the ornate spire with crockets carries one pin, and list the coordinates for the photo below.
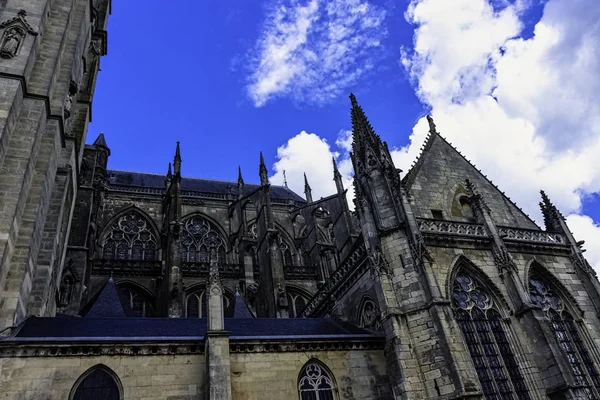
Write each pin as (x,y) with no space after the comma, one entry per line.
(337,177)
(307,190)
(552,216)
(177,160)
(263,172)
(363,134)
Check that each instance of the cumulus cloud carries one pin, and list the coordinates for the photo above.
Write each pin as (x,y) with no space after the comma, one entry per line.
(311,154)
(526,111)
(313,50)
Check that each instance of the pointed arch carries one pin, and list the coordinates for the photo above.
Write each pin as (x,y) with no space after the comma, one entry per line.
(196,305)
(199,233)
(97,383)
(297,299)
(130,235)
(478,313)
(140,300)
(369,314)
(316,382)
(548,294)
(462,262)
(534,267)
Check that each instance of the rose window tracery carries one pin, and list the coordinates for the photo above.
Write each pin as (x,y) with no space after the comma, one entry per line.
(198,236)
(130,238)
(488,344)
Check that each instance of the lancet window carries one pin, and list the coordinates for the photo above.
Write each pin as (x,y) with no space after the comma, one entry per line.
(315,383)
(130,237)
(198,236)
(97,385)
(487,341)
(567,334)
(296,302)
(285,252)
(196,304)
(140,303)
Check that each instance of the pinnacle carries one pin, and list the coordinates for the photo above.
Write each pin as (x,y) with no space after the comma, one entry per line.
(432,128)
(100,140)
(169,173)
(240,178)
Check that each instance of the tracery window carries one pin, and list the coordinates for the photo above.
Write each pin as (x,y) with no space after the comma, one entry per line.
(140,303)
(315,383)
(296,302)
(196,305)
(97,385)
(566,333)
(197,237)
(490,350)
(130,238)
(285,252)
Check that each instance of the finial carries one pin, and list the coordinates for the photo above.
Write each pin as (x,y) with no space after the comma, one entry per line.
(432,128)
(263,172)
(284,179)
(240,179)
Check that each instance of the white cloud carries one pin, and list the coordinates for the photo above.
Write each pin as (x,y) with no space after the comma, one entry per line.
(313,50)
(308,153)
(525,111)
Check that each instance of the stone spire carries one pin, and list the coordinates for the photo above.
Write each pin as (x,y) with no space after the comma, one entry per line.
(337,177)
(169,176)
(363,134)
(240,183)
(552,216)
(263,172)
(307,190)
(177,160)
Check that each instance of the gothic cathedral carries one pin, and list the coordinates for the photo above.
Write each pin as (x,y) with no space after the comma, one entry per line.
(128,285)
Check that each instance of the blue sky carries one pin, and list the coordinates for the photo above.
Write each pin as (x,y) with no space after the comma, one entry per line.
(513,84)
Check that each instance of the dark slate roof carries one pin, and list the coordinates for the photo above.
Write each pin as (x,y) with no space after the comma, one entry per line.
(145,180)
(107,303)
(241,309)
(169,328)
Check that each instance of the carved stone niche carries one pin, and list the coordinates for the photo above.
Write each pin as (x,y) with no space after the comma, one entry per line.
(13,36)
(69,99)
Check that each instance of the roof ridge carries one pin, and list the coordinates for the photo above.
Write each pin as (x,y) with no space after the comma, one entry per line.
(409,178)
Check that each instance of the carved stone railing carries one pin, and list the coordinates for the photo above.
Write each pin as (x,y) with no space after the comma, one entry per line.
(342,278)
(200,269)
(136,189)
(294,272)
(126,267)
(531,235)
(450,227)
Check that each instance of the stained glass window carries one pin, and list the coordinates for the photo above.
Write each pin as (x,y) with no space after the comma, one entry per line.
(488,345)
(129,238)
(567,334)
(315,383)
(97,385)
(197,237)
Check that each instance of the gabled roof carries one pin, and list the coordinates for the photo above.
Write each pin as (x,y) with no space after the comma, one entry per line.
(441,168)
(156,181)
(241,309)
(82,329)
(107,303)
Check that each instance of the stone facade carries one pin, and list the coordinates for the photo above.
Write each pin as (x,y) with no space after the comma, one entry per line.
(437,286)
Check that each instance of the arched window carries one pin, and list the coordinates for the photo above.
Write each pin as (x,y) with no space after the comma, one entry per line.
(196,304)
(565,330)
(97,384)
(130,237)
(369,315)
(306,261)
(285,252)
(315,383)
(141,303)
(296,302)
(488,344)
(197,237)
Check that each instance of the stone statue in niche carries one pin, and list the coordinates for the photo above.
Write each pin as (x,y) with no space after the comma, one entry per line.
(65,290)
(12,39)
(11,43)
(281,298)
(69,99)
(370,318)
